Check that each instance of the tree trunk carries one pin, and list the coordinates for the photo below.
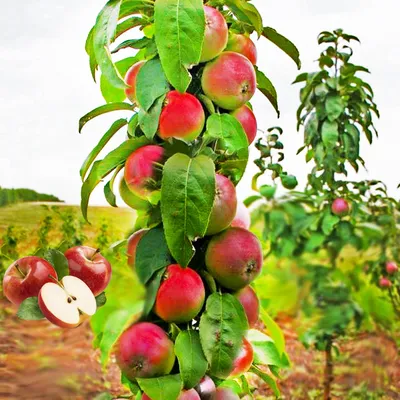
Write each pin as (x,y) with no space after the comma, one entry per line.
(328,373)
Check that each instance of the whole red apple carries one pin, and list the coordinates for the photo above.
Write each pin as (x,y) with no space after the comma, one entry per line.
(224,208)
(242,218)
(385,282)
(340,207)
(182,117)
(234,258)
(67,303)
(87,264)
(249,300)
(145,351)
(206,388)
(244,45)
(391,267)
(130,198)
(133,242)
(248,120)
(225,393)
(215,36)
(244,360)
(229,80)
(25,277)
(140,172)
(180,296)
(130,79)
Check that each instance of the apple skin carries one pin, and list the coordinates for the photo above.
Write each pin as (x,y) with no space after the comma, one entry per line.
(244,360)
(140,173)
(180,296)
(144,350)
(243,45)
(133,242)
(242,218)
(224,393)
(391,267)
(189,395)
(90,266)
(248,120)
(229,80)
(130,199)
(182,117)
(340,207)
(385,282)
(130,79)
(234,258)
(224,207)
(206,388)
(215,36)
(249,300)
(17,288)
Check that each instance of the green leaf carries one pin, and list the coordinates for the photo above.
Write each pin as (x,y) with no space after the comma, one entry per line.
(222,327)
(246,13)
(330,134)
(128,24)
(132,44)
(58,261)
(103,35)
(115,127)
(267,379)
(187,197)
(109,188)
(179,33)
(132,386)
(101,300)
(163,388)
(285,45)
(334,107)
(314,242)
(151,291)
(267,89)
(352,146)
(151,83)
(104,396)
(103,167)
(102,110)
(192,362)
(274,331)
(90,51)
(116,324)
(152,254)
(265,350)
(329,222)
(29,310)
(149,120)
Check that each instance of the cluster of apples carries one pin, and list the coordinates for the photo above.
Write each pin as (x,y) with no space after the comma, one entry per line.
(391,269)
(65,302)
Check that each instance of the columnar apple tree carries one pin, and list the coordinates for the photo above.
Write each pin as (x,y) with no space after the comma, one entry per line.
(188,83)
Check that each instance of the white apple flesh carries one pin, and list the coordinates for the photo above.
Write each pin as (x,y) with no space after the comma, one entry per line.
(67,303)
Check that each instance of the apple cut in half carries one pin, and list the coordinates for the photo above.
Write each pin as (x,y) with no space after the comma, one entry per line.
(67,303)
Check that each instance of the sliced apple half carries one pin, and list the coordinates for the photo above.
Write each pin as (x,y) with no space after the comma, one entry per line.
(67,303)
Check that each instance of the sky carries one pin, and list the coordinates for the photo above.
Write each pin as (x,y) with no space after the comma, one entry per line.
(45,87)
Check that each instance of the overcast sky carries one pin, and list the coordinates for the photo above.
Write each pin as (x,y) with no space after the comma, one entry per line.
(45,86)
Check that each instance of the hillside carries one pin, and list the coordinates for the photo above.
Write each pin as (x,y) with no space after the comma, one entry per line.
(12,196)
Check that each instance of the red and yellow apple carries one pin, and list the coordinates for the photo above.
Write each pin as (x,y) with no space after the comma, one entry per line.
(130,199)
(189,395)
(242,218)
(25,277)
(133,242)
(248,121)
(391,267)
(244,45)
(244,360)
(340,207)
(249,300)
(130,80)
(385,282)
(225,393)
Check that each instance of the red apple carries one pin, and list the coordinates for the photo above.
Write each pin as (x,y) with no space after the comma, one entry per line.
(67,303)
(130,79)
(215,36)
(340,207)
(224,208)
(189,395)
(182,117)
(248,120)
(225,393)
(206,388)
(244,360)
(242,218)
(229,80)
(180,296)
(141,175)
(145,351)
(391,267)
(25,277)
(249,300)
(133,242)
(130,199)
(385,282)
(234,258)
(244,45)
(87,264)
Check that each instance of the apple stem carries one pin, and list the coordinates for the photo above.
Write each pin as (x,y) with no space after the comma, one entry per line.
(19,270)
(94,254)
(161,166)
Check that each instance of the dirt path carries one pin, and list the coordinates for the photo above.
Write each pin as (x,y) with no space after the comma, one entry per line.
(42,362)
